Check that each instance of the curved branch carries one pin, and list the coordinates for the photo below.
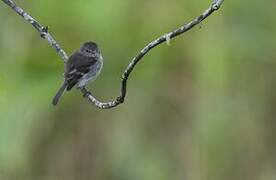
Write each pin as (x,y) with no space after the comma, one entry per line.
(120,99)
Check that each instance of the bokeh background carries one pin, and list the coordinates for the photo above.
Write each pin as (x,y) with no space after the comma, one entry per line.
(200,109)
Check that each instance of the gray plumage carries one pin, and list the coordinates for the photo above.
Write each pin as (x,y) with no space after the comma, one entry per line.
(81,68)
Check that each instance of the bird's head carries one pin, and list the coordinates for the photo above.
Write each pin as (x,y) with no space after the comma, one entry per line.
(90,49)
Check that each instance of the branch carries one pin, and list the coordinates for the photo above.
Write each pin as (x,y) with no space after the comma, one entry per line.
(43,30)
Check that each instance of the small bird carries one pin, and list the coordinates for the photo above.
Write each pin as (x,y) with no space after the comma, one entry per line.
(81,68)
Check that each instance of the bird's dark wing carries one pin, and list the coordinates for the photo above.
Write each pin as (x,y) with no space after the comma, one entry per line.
(77,66)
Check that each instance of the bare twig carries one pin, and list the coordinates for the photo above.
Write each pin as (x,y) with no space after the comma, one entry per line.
(165,38)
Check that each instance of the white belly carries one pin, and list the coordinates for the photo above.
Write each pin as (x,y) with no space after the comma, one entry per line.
(91,75)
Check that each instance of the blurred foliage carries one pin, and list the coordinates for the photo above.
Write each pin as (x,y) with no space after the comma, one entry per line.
(200,109)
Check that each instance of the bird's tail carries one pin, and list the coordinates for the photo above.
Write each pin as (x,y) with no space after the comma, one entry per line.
(59,93)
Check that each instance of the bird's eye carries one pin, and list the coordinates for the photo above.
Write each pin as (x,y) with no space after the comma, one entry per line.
(87,50)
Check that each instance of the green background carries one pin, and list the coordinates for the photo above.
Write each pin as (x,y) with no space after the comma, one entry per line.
(200,109)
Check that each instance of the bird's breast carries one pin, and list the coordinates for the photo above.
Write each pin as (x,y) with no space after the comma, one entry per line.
(91,75)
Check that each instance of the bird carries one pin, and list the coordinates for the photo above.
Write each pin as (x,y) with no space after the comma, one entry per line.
(82,67)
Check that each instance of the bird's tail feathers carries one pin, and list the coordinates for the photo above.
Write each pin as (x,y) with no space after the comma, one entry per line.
(59,93)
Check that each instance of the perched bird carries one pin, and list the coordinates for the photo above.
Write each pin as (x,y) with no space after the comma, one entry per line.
(81,68)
